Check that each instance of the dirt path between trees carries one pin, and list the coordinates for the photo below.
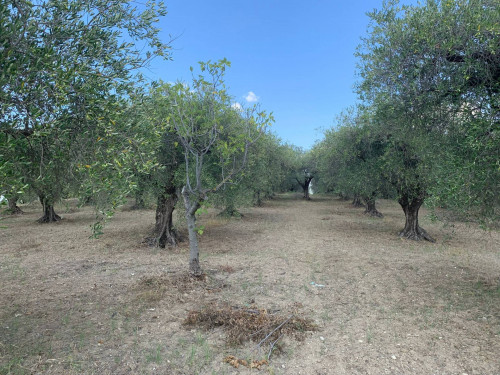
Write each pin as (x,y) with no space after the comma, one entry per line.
(72,305)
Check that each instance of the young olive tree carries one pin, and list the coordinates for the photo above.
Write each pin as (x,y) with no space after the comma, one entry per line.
(216,140)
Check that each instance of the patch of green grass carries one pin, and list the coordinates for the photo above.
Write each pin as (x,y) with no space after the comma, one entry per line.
(196,354)
(14,366)
(155,355)
(369,335)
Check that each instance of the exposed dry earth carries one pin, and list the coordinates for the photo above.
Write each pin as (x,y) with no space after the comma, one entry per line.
(73,305)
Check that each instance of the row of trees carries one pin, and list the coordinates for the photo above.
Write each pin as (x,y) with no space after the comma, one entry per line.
(427,128)
(77,119)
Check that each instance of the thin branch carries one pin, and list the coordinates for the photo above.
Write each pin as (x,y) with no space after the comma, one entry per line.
(272,346)
(274,330)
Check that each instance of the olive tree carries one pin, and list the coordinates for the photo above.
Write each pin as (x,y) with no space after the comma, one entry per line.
(351,158)
(216,140)
(66,66)
(433,81)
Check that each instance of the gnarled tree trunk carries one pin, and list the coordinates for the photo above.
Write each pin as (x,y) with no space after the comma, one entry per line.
(164,233)
(412,230)
(49,215)
(13,207)
(371,209)
(356,202)
(194,251)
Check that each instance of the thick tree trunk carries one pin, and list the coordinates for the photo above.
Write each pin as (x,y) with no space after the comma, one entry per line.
(164,233)
(49,215)
(194,251)
(13,207)
(371,209)
(356,202)
(412,230)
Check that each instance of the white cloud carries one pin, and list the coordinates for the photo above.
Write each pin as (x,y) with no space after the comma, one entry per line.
(251,97)
(237,106)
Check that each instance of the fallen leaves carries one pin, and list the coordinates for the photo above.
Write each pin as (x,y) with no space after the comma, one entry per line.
(236,362)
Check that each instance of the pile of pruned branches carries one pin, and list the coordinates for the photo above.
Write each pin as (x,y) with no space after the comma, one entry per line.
(262,326)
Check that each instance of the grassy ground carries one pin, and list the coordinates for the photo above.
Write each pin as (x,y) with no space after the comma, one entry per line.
(73,305)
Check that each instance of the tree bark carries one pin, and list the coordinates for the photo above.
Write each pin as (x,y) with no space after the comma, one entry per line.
(412,230)
(306,190)
(13,207)
(49,215)
(164,233)
(305,186)
(356,202)
(371,209)
(194,251)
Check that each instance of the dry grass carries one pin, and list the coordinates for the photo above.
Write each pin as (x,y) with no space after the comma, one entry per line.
(382,305)
(155,288)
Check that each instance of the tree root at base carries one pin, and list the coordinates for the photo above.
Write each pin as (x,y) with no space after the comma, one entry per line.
(418,235)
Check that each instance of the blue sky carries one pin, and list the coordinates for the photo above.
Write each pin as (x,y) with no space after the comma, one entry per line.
(296,57)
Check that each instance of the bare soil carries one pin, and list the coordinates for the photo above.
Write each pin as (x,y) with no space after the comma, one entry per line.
(74,305)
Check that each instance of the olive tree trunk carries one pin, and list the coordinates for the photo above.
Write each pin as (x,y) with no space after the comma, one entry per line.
(194,252)
(412,230)
(305,186)
(49,215)
(371,209)
(356,201)
(13,207)
(164,233)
